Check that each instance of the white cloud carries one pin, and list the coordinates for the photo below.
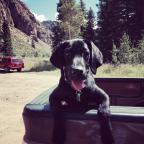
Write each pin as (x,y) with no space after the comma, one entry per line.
(95,27)
(40,17)
(56,15)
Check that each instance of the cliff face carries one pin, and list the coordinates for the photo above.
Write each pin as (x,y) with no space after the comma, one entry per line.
(20,17)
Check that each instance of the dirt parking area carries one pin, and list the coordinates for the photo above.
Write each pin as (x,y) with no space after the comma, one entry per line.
(17,89)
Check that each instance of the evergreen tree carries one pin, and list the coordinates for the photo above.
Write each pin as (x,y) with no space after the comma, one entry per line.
(114,54)
(57,36)
(125,50)
(1,42)
(84,15)
(115,18)
(89,32)
(104,31)
(139,20)
(140,52)
(7,46)
(70,18)
(83,8)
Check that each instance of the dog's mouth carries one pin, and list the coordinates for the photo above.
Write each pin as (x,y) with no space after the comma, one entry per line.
(78,85)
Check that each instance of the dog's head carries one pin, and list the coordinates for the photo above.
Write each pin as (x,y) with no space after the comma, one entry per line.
(77,57)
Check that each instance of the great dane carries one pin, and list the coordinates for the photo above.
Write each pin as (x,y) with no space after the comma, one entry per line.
(77,91)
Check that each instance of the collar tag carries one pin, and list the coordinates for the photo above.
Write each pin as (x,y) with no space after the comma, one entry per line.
(78,95)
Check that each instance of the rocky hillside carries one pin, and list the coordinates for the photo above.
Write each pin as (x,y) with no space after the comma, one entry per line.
(22,45)
(49,24)
(20,17)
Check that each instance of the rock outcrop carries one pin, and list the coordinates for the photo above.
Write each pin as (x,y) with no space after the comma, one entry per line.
(20,17)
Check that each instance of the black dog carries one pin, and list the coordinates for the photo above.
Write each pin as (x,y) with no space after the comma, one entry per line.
(77,90)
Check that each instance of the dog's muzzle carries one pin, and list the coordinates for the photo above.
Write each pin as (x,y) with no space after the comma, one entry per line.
(78,77)
(78,74)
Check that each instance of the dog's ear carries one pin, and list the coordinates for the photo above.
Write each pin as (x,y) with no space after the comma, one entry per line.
(96,57)
(57,57)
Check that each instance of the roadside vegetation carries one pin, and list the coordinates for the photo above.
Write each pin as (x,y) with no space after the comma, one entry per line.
(37,64)
(106,70)
(123,70)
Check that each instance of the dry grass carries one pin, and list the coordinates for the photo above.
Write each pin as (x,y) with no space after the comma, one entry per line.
(126,70)
(106,70)
(22,45)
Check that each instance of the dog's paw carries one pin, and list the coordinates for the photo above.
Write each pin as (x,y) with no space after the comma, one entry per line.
(104,109)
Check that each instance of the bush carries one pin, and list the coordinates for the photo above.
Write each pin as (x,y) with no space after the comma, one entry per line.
(141,51)
(42,66)
(37,64)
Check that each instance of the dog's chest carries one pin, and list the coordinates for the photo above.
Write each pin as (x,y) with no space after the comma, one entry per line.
(73,98)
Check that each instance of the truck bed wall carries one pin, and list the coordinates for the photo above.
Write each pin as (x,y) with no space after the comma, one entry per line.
(127,120)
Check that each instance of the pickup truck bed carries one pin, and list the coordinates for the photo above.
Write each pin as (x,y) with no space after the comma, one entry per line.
(127,118)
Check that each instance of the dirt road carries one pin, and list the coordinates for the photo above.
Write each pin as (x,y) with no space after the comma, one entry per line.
(17,89)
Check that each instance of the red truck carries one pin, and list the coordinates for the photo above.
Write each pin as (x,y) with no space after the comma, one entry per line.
(8,63)
(127,116)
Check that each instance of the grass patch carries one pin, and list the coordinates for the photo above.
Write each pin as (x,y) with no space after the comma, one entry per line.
(126,70)
(42,64)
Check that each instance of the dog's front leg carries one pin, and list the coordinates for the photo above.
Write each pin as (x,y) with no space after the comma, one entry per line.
(104,117)
(59,129)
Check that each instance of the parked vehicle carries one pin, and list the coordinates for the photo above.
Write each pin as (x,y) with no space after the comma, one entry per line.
(8,63)
(127,116)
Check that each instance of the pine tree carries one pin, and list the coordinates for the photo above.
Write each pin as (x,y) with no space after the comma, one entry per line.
(104,38)
(70,18)
(83,8)
(114,54)
(7,46)
(125,50)
(140,51)
(57,36)
(116,17)
(1,42)
(138,29)
(89,32)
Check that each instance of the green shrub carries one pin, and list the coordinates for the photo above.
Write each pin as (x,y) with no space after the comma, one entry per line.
(42,66)
(37,64)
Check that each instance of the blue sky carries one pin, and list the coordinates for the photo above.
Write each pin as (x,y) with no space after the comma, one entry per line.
(46,9)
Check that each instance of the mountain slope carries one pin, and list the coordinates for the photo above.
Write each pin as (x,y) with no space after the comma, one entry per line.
(22,45)
(24,28)
(20,17)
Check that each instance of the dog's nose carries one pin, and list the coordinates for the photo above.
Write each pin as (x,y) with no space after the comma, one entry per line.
(77,72)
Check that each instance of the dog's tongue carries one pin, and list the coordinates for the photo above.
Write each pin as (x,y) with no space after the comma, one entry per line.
(78,85)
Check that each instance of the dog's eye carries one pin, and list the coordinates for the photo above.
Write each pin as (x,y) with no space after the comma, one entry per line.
(86,56)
